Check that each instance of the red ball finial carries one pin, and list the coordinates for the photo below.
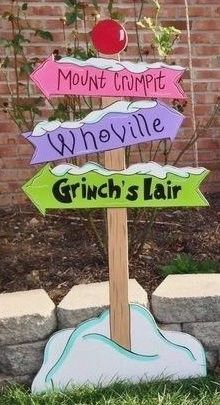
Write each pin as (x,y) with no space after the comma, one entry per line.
(109,37)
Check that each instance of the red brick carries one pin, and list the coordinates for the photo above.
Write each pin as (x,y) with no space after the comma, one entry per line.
(198,38)
(7,127)
(206,25)
(215,11)
(48,11)
(6,200)
(208,74)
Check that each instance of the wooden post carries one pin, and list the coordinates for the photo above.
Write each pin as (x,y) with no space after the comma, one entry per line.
(118,256)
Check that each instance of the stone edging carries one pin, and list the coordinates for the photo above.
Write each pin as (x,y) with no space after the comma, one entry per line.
(189,303)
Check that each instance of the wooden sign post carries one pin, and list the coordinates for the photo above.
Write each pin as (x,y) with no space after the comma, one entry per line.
(118,261)
(117,229)
(116,217)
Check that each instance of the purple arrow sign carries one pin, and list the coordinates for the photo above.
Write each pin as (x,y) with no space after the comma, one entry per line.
(118,125)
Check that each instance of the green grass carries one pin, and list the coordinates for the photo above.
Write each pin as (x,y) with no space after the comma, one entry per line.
(204,391)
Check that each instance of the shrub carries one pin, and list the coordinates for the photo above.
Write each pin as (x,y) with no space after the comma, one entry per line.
(186,264)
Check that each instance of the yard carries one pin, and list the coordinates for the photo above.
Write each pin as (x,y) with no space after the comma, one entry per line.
(50,252)
(204,391)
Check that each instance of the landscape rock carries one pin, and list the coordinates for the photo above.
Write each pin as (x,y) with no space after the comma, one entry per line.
(207,332)
(86,301)
(24,359)
(171,326)
(211,359)
(26,316)
(187,298)
(6,380)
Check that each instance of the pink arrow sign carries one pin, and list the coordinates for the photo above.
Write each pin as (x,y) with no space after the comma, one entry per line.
(108,77)
(118,125)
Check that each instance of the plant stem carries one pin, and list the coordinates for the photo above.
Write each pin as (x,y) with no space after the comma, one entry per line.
(15,61)
(136,30)
(144,234)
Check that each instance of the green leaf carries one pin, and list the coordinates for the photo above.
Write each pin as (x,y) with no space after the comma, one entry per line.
(26,68)
(175,30)
(60,113)
(95,4)
(71,3)
(17,43)
(116,15)
(164,37)
(44,34)
(83,54)
(17,47)
(71,17)
(110,6)
(20,38)
(24,6)
(3,42)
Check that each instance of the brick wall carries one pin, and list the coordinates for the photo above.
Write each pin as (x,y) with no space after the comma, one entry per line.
(205,30)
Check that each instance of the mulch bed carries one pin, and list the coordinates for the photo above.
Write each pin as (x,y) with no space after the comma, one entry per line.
(57,251)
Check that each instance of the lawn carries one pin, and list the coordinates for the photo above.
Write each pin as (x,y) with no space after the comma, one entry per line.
(204,391)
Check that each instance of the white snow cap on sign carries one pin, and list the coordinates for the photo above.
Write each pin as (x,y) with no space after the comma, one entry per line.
(119,107)
(115,65)
(151,168)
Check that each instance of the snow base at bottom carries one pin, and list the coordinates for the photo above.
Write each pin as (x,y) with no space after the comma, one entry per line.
(87,355)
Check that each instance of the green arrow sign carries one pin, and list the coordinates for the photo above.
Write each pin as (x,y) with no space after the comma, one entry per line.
(92,186)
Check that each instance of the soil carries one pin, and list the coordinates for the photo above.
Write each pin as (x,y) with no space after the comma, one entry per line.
(57,251)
